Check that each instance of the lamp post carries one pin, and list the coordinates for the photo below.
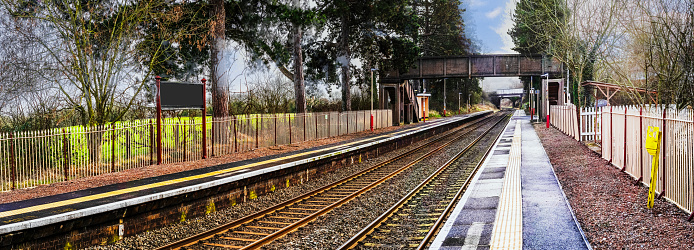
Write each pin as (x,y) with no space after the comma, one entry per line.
(459,108)
(372,99)
(546,95)
(468,102)
(532,109)
(444,96)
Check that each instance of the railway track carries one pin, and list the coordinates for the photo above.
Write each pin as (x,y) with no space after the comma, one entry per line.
(265,226)
(413,221)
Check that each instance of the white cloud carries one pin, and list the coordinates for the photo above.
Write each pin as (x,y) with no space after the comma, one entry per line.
(504,27)
(477,3)
(494,13)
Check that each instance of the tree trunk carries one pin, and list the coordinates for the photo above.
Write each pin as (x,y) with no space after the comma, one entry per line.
(219,92)
(344,58)
(299,87)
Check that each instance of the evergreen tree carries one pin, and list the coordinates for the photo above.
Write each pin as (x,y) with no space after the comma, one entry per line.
(366,30)
(443,34)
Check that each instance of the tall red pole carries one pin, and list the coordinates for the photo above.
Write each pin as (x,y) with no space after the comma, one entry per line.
(158,119)
(204,118)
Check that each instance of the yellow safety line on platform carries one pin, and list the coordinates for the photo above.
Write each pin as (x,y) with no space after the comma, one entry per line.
(508,225)
(179,180)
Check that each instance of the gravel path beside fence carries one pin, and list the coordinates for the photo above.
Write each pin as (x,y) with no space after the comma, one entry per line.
(611,209)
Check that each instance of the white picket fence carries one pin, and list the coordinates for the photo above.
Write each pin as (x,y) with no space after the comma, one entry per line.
(588,128)
(621,132)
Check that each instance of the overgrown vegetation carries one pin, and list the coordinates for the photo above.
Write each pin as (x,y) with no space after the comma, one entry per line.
(66,63)
(648,44)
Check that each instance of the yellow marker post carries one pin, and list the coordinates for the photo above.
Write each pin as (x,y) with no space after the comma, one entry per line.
(653,148)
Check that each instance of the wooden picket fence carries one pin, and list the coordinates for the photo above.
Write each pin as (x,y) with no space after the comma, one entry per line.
(29,159)
(622,136)
(563,117)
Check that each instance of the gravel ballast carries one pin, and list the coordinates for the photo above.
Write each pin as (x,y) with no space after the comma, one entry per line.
(610,208)
(178,231)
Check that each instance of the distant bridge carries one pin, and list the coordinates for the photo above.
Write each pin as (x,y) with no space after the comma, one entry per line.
(506,93)
(503,93)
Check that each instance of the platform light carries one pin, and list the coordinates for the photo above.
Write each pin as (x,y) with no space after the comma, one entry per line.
(372,98)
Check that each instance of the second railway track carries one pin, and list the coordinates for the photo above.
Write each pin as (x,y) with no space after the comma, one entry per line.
(258,229)
(413,221)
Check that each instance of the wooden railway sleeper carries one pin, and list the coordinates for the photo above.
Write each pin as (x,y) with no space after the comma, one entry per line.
(467,129)
(377,224)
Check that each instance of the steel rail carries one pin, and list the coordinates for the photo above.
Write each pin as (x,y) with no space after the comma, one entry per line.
(294,226)
(253,217)
(352,242)
(447,211)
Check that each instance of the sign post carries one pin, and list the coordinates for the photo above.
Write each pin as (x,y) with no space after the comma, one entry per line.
(653,148)
(158,119)
(177,96)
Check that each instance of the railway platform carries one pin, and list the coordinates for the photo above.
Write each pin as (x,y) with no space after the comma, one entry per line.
(514,201)
(106,214)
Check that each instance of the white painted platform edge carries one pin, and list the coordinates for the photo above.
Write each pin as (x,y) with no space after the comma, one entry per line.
(166,194)
(441,236)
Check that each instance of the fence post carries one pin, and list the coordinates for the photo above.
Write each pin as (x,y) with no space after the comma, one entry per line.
(66,157)
(204,119)
(275,119)
(640,143)
(579,124)
(304,120)
(289,121)
(662,193)
(158,81)
(236,143)
(151,142)
(191,121)
(611,134)
(691,116)
(113,148)
(602,129)
(257,128)
(624,168)
(595,125)
(315,117)
(13,163)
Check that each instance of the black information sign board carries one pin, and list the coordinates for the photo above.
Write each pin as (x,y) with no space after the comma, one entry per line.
(178,95)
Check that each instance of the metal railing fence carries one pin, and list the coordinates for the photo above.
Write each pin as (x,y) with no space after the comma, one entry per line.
(29,159)
(624,141)
(622,135)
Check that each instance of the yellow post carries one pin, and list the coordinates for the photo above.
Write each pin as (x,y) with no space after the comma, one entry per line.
(653,148)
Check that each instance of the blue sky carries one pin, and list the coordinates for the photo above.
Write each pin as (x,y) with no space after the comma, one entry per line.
(487,23)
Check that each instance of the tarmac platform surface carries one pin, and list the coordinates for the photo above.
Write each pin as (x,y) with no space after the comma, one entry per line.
(515,200)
